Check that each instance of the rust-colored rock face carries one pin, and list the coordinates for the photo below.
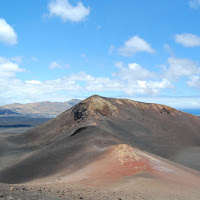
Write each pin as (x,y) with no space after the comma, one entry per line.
(105,111)
(100,106)
(121,161)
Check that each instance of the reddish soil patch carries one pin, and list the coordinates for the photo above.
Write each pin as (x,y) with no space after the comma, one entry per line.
(120,161)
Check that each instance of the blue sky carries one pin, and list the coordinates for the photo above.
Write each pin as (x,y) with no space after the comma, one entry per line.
(56,50)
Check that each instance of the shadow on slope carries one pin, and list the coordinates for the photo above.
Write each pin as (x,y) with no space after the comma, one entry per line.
(64,156)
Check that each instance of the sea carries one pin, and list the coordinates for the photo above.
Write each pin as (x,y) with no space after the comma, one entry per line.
(191,111)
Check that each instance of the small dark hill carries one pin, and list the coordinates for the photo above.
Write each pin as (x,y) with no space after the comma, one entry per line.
(7,112)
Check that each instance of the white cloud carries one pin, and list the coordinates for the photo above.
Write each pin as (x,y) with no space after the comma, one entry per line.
(194,3)
(194,82)
(17,59)
(34,59)
(135,79)
(80,83)
(8,68)
(168,49)
(188,40)
(56,65)
(67,12)
(130,80)
(135,45)
(179,67)
(7,33)
(147,87)
(133,72)
(9,84)
(34,82)
(176,102)
(111,50)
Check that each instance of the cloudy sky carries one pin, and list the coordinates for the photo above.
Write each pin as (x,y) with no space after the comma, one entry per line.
(56,50)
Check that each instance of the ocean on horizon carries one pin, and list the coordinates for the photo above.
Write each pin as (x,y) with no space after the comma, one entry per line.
(191,111)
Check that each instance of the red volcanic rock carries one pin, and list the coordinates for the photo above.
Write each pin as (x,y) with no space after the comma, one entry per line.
(120,161)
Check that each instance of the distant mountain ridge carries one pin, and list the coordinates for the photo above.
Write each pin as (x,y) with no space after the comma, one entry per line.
(46,108)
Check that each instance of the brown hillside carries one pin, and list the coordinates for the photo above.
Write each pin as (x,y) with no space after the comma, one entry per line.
(155,128)
(105,140)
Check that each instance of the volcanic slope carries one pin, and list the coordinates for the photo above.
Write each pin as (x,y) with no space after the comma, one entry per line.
(155,128)
(104,140)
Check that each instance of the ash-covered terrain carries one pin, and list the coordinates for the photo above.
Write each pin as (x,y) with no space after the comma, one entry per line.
(105,148)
